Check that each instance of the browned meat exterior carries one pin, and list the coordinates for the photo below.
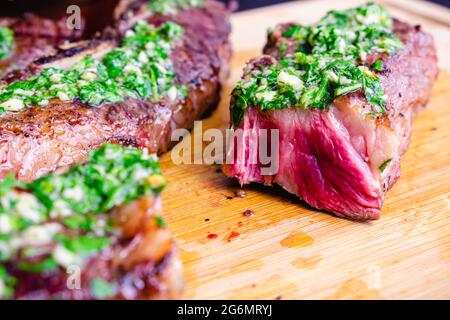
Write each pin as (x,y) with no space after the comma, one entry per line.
(144,263)
(38,140)
(33,37)
(337,159)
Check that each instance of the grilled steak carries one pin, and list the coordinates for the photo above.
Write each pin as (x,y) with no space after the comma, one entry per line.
(38,139)
(93,232)
(343,155)
(33,37)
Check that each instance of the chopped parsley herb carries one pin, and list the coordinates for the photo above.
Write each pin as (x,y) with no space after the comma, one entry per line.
(102,289)
(46,265)
(283,47)
(6,42)
(7,283)
(160,222)
(378,65)
(83,244)
(61,219)
(84,222)
(172,6)
(139,68)
(329,62)
(384,165)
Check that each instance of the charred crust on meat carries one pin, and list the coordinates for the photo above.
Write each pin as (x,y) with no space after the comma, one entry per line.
(201,62)
(125,141)
(62,52)
(32,25)
(131,8)
(34,37)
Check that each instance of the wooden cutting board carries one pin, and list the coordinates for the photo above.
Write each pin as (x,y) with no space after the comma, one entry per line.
(287,250)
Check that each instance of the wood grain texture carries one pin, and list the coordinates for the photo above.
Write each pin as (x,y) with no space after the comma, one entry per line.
(288,250)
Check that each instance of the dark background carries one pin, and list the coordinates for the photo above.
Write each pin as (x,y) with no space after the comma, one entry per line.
(7,6)
(98,13)
(249,4)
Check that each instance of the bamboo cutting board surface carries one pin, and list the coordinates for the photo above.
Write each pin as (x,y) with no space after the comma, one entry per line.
(287,250)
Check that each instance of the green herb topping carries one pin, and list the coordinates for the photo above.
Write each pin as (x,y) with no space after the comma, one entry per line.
(61,220)
(167,7)
(6,42)
(139,68)
(329,62)
(102,289)
(384,165)
(7,283)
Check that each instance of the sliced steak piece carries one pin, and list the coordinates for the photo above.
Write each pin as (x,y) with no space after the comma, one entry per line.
(93,232)
(338,158)
(37,140)
(33,37)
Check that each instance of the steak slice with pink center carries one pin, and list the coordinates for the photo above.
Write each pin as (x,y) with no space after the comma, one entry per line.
(341,158)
